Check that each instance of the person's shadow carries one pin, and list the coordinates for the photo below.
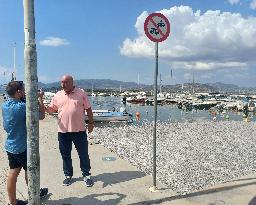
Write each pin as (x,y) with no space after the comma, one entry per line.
(93,199)
(114,178)
(100,199)
(118,177)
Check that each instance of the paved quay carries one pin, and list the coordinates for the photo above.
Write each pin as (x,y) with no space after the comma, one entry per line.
(118,182)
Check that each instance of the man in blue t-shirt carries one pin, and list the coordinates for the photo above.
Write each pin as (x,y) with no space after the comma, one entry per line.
(14,122)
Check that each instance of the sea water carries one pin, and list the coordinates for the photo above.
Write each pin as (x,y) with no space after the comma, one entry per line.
(164,112)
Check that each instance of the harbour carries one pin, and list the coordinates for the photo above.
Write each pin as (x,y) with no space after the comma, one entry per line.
(171,111)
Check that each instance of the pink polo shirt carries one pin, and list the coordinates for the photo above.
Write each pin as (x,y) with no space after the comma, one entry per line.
(71,110)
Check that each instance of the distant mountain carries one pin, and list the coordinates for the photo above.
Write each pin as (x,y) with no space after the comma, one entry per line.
(209,87)
(223,86)
(97,84)
(107,84)
(41,85)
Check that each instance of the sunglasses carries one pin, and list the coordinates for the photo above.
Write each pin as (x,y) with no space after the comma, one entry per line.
(21,85)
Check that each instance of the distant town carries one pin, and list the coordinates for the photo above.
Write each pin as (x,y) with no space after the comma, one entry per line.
(113,86)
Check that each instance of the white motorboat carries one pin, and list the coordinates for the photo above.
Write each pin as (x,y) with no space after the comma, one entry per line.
(108,115)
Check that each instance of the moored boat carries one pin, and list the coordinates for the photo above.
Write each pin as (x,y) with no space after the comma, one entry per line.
(108,115)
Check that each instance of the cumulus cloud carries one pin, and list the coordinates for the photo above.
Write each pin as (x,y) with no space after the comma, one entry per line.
(253,4)
(54,42)
(202,41)
(233,1)
(201,65)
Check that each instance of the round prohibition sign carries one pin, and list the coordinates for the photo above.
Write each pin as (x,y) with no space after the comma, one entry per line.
(157,27)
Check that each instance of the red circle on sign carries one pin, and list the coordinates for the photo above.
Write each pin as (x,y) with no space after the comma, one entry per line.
(156,29)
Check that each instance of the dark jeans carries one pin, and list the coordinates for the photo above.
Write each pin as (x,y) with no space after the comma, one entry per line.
(81,144)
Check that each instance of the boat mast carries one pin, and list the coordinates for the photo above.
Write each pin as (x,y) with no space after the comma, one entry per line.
(139,80)
(14,62)
(160,84)
(193,83)
(4,77)
(170,80)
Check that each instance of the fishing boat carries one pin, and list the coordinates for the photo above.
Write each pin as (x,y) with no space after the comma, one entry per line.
(136,100)
(109,116)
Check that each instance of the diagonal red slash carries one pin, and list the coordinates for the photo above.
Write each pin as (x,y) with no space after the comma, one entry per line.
(160,31)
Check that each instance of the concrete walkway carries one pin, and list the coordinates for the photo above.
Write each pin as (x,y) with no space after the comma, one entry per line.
(118,182)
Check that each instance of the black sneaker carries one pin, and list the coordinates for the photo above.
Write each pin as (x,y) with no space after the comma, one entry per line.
(20,202)
(43,192)
(67,181)
(88,182)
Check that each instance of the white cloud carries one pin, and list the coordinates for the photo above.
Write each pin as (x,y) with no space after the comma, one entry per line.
(54,42)
(202,41)
(253,4)
(233,2)
(201,65)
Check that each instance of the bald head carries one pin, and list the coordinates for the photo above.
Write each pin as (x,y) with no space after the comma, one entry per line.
(67,83)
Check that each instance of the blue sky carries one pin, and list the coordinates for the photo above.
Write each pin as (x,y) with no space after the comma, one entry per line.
(104,39)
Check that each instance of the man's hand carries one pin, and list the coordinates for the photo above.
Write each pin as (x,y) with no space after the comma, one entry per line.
(90,118)
(40,95)
(90,127)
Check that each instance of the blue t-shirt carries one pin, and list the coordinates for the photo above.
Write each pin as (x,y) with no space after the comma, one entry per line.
(14,122)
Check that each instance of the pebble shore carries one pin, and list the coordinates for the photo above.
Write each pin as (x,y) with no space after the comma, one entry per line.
(190,156)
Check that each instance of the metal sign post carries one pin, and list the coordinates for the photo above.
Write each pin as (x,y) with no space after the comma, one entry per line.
(157,29)
(155,117)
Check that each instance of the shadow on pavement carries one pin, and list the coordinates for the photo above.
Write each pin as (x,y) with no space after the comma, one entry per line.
(245,179)
(199,193)
(77,179)
(93,199)
(114,178)
(253,201)
(99,199)
(118,177)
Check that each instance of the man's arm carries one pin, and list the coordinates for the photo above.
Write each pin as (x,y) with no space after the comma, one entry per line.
(90,118)
(50,110)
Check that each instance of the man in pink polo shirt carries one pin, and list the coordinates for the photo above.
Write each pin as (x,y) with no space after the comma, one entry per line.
(71,103)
